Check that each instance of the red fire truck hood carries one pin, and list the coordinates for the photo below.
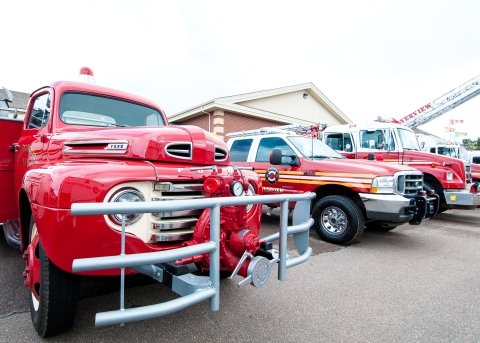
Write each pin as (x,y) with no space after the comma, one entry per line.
(177,144)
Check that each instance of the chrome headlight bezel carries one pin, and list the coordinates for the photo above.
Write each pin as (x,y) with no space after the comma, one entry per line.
(122,196)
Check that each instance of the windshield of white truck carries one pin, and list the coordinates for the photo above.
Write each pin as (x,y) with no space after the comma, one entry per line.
(95,110)
(313,148)
(408,139)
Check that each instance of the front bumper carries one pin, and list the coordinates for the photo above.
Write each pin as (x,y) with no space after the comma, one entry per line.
(194,288)
(462,198)
(395,208)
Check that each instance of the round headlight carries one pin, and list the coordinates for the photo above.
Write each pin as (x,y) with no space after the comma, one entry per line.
(127,195)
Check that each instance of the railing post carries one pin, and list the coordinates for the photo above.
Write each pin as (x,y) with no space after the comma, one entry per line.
(282,264)
(122,270)
(215,257)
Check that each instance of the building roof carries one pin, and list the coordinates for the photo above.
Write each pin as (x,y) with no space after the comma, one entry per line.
(20,99)
(249,104)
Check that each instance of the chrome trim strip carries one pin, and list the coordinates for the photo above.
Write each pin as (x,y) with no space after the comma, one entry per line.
(115,147)
(179,235)
(186,213)
(98,141)
(173,224)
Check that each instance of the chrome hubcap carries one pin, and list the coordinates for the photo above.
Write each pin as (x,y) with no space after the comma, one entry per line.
(334,220)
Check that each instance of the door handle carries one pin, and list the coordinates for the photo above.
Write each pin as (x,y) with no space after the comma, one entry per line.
(14,147)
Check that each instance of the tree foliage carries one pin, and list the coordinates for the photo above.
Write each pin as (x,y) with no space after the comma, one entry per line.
(471,144)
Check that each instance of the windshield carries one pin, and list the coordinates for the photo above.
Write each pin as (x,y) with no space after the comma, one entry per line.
(447,151)
(94,110)
(408,139)
(313,148)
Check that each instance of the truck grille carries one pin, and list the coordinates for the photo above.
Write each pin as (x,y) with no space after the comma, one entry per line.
(409,184)
(175,225)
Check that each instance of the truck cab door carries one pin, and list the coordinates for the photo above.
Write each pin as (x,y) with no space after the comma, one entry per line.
(34,140)
(10,132)
(277,178)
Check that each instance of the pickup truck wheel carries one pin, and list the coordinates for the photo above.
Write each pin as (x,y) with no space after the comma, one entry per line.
(54,293)
(377,225)
(338,219)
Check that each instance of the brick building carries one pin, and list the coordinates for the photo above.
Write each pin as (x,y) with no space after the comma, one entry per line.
(287,105)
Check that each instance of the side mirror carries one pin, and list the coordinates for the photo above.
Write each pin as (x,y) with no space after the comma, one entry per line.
(276,158)
(348,148)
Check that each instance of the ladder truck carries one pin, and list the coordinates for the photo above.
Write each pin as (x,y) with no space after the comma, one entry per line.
(443,104)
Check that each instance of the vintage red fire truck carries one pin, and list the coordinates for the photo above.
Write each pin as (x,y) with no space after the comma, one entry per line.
(164,201)
(349,194)
(451,178)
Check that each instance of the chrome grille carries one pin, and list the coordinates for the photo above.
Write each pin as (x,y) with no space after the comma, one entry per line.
(179,150)
(409,184)
(220,154)
(175,225)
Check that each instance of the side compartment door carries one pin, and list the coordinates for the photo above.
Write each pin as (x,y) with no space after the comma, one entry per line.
(9,133)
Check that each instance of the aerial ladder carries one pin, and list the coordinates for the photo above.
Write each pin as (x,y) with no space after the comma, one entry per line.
(443,104)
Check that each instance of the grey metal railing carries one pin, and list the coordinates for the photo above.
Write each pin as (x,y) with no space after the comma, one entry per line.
(201,289)
(12,113)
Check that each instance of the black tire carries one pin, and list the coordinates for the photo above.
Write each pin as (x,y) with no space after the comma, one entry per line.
(438,190)
(338,219)
(380,226)
(54,311)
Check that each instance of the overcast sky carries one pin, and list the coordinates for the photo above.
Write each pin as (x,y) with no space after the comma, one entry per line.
(370,58)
